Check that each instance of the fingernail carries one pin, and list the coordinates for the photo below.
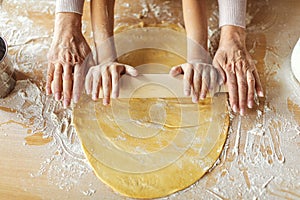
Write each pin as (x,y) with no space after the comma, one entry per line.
(186,92)
(202,96)
(94,97)
(234,108)
(114,96)
(242,111)
(76,99)
(57,96)
(66,103)
(194,99)
(105,102)
(250,104)
(260,94)
(134,73)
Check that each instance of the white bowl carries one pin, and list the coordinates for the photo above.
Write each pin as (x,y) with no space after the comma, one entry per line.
(295,61)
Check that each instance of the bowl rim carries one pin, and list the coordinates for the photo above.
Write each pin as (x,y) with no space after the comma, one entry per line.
(6,48)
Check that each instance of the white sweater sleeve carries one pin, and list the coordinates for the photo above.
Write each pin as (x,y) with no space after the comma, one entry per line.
(74,6)
(232,12)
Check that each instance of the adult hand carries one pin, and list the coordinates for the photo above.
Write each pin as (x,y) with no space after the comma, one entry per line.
(199,78)
(67,59)
(237,69)
(106,77)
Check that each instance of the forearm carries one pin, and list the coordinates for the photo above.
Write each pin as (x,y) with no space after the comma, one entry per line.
(233,21)
(68,14)
(65,22)
(102,15)
(232,12)
(194,13)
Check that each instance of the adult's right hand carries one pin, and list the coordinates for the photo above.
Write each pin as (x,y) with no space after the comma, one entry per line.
(237,69)
(67,58)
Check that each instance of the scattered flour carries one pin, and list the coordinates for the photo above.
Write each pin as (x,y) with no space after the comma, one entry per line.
(67,163)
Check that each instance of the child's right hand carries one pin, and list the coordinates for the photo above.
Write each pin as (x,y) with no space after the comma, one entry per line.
(106,77)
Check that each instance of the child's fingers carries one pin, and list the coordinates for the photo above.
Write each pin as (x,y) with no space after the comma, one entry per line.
(130,70)
(115,76)
(89,81)
(176,70)
(106,86)
(188,79)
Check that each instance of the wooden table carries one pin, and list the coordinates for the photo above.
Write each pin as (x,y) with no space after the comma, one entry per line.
(261,157)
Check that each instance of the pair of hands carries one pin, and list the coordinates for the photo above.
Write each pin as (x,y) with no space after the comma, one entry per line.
(70,60)
(232,66)
(68,66)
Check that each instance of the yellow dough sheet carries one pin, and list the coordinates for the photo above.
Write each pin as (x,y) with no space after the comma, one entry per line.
(148,148)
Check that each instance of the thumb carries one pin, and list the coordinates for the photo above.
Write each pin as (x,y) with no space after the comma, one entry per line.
(130,70)
(175,71)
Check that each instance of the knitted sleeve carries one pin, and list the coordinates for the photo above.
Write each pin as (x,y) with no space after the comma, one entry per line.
(74,6)
(232,12)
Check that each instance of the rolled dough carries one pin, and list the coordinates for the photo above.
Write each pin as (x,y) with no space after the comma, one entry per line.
(150,147)
(162,160)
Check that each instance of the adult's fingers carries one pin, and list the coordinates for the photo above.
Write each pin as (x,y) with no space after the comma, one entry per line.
(130,70)
(50,72)
(106,86)
(79,78)
(242,88)
(115,79)
(258,85)
(251,87)
(52,86)
(188,79)
(205,82)
(232,88)
(197,81)
(58,81)
(67,84)
(176,70)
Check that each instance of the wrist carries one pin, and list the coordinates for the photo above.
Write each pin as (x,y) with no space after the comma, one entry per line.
(68,21)
(235,33)
(197,52)
(106,51)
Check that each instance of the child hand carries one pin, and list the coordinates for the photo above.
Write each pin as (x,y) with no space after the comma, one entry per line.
(199,78)
(106,77)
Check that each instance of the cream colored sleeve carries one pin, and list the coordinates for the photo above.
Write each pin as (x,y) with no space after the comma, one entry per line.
(74,6)
(232,12)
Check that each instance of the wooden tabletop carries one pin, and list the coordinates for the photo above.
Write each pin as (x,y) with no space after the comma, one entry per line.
(261,157)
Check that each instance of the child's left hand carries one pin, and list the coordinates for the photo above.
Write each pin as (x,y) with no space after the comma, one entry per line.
(199,78)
